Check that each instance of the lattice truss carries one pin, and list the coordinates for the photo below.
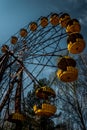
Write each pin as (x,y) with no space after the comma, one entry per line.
(31,54)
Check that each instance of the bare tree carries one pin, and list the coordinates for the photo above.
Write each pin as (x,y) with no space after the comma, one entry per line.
(72,98)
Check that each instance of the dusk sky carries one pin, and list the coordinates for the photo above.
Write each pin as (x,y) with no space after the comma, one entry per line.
(15,14)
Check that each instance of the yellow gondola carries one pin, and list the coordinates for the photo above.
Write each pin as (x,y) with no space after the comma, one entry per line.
(15,117)
(54,19)
(14,40)
(23,32)
(67,71)
(66,61)
(63,20)
(76,43)
(73,26)
(70,75)
(4,48)
(44,92)
(44,22)
(33,26)
(45,110)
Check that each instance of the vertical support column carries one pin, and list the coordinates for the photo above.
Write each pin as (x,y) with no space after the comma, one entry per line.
(18,99)
(3,63)
(18,94)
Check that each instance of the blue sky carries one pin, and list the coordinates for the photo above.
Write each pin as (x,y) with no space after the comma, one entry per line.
(14,14)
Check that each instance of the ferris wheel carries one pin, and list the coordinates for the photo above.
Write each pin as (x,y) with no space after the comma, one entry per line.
(31,54)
